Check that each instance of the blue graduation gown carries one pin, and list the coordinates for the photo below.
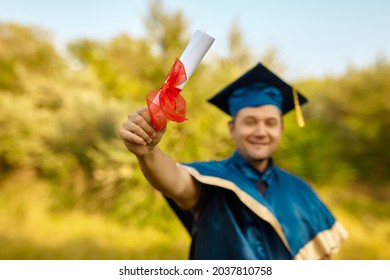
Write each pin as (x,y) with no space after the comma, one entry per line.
(235,221)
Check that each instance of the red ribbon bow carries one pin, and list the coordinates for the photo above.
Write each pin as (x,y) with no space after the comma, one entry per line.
(167,103)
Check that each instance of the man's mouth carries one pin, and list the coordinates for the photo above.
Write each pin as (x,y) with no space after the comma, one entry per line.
(258,143)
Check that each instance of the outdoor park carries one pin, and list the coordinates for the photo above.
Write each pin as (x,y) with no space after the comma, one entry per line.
(69,189)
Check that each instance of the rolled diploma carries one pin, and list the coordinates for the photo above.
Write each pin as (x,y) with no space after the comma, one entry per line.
(194,53)
(192,56)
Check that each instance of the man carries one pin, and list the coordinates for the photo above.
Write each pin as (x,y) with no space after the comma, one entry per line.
(243,207)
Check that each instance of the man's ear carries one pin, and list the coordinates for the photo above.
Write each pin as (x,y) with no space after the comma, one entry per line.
(231,127)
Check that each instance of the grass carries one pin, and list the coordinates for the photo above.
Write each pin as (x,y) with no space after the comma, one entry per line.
(365,212)
(30,230)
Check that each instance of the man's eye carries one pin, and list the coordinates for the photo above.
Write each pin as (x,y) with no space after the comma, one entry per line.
(250,122)
(272,123)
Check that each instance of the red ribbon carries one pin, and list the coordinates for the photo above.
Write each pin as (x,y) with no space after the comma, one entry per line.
(167,103)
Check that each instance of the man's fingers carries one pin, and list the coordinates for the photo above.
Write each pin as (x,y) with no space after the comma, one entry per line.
(142,118)
(138,130)
(131,137)
(144,112)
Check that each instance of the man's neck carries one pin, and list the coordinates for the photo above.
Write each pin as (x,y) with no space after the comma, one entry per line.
(260,165)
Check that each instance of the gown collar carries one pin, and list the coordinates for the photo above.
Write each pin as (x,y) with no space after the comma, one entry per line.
(249,171)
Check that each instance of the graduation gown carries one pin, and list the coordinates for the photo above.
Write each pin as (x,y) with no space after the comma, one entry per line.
(235,221)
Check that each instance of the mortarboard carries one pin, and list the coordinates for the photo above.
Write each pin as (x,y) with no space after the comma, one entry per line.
(256,80)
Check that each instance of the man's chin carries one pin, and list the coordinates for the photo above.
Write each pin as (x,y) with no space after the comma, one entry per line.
(258,154)
(259,158)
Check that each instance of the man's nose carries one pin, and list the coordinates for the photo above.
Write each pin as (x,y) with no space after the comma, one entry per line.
(260,129)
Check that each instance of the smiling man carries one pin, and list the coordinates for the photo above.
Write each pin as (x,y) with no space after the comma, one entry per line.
(243,207)
(257,124)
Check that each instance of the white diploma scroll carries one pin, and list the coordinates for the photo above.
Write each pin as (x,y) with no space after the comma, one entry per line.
(173,104)
(192,56)
(194,53)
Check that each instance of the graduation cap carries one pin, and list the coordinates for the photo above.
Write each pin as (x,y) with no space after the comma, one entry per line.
(259,86)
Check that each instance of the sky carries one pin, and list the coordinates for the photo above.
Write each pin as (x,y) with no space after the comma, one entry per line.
(312,38)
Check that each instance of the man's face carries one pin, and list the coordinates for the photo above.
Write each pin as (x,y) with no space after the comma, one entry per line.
(257,132)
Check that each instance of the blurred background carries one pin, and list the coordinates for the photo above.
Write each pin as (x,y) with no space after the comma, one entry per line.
(70,190)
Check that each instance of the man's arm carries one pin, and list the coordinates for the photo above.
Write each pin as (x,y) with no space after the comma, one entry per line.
(159,169)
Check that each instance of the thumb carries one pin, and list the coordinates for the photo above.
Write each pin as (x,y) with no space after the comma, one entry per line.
(159,135)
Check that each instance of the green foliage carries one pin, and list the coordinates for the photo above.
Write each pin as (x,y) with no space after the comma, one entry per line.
(119,65)
(166,32)
(29,229)
(25,49)
(309,152)
(350,112)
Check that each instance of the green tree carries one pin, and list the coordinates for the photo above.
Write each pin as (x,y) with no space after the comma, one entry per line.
(166,32)
(347,130)
(359,105)
(24,49)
